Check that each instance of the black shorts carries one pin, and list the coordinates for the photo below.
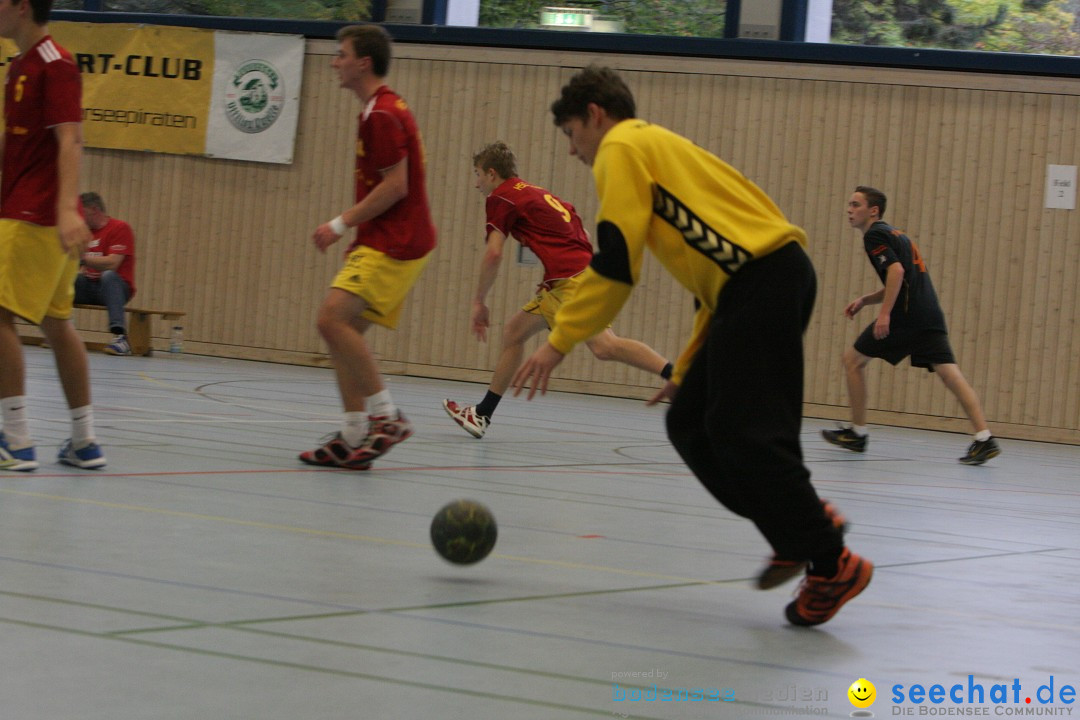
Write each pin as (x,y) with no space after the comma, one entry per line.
(926,347)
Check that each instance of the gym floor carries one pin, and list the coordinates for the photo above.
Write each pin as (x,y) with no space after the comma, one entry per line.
(207,574)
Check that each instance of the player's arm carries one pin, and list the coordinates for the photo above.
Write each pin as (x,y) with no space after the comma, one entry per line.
(860,302)
(72,229)
(489,270)
(624,187)
(393,188)
(102,262)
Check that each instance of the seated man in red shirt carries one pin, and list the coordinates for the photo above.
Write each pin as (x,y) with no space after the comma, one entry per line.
(107,275)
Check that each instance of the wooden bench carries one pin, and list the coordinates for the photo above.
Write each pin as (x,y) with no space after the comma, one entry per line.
(138,325)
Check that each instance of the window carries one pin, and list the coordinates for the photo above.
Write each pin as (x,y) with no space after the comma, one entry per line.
(346,10)
(696,18)
(1019,26)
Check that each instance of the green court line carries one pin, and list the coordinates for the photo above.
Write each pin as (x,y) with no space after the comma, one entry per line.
(94,606)
(319,669)
(432,606)
(335,534)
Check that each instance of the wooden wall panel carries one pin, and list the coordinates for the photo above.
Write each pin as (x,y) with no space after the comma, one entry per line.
(962,156)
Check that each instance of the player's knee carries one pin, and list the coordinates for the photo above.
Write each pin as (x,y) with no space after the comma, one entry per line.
(850,359)
(329,323)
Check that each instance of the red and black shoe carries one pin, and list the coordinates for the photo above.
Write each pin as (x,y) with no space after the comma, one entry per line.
(335,452)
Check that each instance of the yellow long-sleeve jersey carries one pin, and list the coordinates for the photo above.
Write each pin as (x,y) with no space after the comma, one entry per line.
(698,215)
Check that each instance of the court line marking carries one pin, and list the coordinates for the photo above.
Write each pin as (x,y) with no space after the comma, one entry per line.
(305,667)
(240,626)
(313,532)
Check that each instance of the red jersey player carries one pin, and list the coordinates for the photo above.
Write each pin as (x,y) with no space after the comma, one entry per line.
(553,231)
(394,238)
(41,231)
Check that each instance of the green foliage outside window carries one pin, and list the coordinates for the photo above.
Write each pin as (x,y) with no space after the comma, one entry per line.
(688,18)
(1022,26)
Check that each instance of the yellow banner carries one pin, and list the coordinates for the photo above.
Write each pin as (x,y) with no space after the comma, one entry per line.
(144,87)
(184,91)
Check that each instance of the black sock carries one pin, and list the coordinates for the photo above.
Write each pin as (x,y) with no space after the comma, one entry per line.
(117,330)
(666,372)
(487,406)
(824,566)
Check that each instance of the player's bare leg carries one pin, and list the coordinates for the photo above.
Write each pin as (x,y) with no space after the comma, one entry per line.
(855,372)
(518,330)
(72,364)
(342,327)
(853,438)
(959,386)
(609,346)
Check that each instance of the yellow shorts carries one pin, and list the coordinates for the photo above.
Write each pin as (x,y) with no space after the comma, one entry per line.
(37,278)
(549,299)
(380,281)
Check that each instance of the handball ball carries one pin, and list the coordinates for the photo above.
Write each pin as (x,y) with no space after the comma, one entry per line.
(463,532)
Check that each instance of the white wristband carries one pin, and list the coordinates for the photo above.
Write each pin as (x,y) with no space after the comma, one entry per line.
(338,225)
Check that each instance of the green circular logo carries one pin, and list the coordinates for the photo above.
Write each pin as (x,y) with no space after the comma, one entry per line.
(255,96)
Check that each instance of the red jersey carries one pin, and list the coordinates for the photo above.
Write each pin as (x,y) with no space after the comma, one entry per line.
(543,223)
(388,135)
(43,90)
(114,238)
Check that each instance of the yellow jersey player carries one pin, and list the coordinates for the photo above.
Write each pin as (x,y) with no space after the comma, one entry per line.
(737,388)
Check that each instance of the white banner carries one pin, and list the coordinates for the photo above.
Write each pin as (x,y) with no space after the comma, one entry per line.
(255,100)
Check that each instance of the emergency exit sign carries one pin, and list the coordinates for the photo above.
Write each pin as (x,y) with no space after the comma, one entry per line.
(566,18)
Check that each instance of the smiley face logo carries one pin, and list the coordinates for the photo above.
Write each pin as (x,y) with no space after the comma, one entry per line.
(862,693)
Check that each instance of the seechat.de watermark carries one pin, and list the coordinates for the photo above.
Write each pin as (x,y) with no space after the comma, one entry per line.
(652,685)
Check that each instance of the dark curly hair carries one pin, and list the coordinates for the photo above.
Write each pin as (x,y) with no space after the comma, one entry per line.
(594,84)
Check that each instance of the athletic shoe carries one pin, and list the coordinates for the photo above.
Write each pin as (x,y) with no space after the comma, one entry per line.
(779,571)
(846,438)
(466,417)
(819,598)
(335,452)
(981,451)
(88,457)
(119,346)
(384,433)
(21,460)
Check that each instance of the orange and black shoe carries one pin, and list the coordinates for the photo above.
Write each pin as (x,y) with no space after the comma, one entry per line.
(779,570)
(820,598)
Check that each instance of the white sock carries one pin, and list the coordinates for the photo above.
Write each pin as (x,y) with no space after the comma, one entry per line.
(355,429)
(82,426)
(860,430)
(16,428)
(982,436)
(381,405)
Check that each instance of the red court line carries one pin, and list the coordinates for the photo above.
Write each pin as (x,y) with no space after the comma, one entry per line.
(541,470)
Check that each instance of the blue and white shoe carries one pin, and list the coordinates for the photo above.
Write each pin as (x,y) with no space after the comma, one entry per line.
(88,457)
(21,460)
(119,346)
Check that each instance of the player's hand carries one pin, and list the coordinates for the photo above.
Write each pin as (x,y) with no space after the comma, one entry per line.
(536,370)
(324,237)
(853,307)
(667,392)
(881,327)
(480,321)
(74,234)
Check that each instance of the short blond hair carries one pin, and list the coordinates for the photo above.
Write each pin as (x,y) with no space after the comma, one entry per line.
(499,157)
